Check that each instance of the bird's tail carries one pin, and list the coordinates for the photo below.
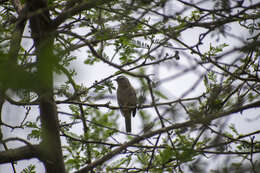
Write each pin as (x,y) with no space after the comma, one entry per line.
(128,123)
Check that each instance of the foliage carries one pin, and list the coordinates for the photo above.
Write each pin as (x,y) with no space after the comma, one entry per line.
(158,44)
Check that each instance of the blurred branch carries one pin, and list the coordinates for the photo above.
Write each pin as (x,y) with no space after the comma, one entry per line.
(26,152)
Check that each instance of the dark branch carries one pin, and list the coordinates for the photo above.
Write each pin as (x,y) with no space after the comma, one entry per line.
(25,152)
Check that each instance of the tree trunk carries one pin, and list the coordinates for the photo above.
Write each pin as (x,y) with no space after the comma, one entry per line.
(41,31)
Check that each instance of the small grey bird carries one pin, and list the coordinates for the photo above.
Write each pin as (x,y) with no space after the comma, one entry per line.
(126,96)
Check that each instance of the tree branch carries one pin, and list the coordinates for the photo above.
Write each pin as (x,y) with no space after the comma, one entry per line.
(86,5)
(25,152)
(163,130)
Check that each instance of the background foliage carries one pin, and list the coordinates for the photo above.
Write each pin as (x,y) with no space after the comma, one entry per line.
(194,65)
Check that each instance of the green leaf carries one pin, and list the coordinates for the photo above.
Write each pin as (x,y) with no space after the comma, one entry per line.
(166,154)
(29,169)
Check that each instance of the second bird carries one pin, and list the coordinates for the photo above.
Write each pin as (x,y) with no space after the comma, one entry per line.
(126,98)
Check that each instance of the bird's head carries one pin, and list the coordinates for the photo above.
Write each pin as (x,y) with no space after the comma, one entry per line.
(122,81)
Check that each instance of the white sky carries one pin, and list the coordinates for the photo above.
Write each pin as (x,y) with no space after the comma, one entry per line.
(88,74)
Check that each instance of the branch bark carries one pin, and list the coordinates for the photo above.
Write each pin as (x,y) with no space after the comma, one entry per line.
(25,152)
(42,33)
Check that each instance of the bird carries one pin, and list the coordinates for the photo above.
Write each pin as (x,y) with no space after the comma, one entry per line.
(126,97)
